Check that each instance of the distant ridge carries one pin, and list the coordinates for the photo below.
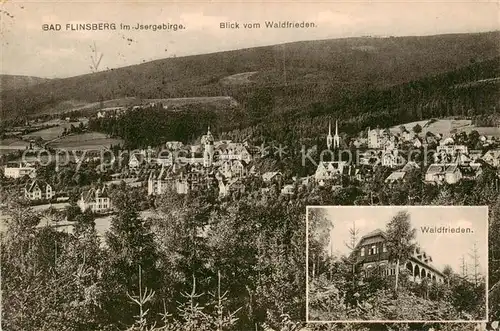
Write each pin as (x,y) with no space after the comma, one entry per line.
(315,71)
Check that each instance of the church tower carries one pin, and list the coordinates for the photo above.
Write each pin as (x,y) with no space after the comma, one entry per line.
(329,138)
(208,153)
(336,137)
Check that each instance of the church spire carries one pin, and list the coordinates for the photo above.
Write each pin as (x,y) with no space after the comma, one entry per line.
(329,138)
(336,138)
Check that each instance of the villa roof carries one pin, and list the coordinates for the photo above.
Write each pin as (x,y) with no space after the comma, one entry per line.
(395,176)
(166,172)
(90,194)
(42,185)
(436,168)
(410,166)
(374,233)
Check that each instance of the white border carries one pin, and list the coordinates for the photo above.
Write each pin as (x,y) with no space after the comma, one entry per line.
(485,207)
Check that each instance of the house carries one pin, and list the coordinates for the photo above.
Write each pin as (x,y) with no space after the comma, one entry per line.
(174,145)
(400,174)
(179,179)
(475,155)
(368,158)
(96,200)
(492,157)
(19,170)
(417,142)
(234,168)
(374,139)
(37,190)
(165,158)
(228,186)
(233,151)
(168,177)
(450,148)
(395,176)
(390,158)
(272,176)
(407,135)
(135,160)
(288,189)
(329,170)
(471,170)
(360,142)
(371,253)
(439,173)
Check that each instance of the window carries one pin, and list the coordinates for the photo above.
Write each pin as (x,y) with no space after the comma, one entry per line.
(362,251)
(373,250)
(384,248)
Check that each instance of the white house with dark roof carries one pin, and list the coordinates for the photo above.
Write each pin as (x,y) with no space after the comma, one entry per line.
(95,199)
(439,173)
(38,190)
(18,170)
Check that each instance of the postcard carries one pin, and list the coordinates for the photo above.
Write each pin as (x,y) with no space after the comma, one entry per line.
(250,165)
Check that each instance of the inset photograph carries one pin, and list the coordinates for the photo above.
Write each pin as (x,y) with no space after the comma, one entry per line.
(397,264)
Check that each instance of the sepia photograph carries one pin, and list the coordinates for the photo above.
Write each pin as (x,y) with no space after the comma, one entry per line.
(388,263)
(261,166)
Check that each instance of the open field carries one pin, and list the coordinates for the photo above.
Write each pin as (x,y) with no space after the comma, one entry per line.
(11,145)
(102,224)
(444,126)
(486,131)
(37,209)
(85,141)
(219,101)
(238,79)
(51,133)
(69,106)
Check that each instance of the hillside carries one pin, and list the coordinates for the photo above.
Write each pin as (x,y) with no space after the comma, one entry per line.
(315,71)
(14,82)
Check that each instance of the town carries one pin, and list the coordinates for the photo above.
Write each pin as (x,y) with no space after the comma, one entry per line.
(225,166)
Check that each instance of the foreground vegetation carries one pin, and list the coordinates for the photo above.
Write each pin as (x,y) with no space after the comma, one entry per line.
(205,264)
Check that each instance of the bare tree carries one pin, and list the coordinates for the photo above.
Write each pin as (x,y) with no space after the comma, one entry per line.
(353,240)
(463,268)
(474,255)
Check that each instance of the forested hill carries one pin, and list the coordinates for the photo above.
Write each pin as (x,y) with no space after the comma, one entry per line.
(13,82)
(469,91)
(315,71)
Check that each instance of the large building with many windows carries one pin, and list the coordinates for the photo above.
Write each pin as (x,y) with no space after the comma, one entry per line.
(371,254)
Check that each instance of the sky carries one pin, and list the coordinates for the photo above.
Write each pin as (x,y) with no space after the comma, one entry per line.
(444,248)
(29,50)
